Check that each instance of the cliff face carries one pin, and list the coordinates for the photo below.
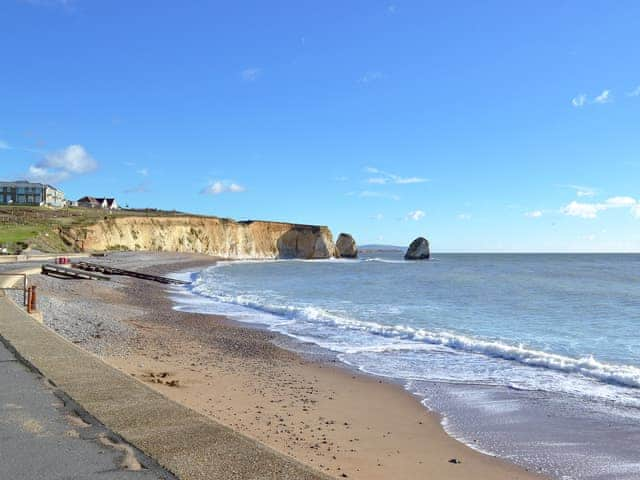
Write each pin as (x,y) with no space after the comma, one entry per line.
(209,235)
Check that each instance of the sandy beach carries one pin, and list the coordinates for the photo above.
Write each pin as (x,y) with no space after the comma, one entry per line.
(343,423)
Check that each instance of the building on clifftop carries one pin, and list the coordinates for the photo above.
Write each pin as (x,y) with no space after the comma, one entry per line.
(22,192)
(97,202)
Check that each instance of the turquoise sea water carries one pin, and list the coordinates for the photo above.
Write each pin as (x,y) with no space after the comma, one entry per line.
(561,326)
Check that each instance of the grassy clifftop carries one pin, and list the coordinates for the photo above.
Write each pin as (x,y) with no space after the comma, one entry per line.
(39,227)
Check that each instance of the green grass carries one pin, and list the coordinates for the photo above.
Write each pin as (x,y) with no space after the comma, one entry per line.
(22,226)
(19,233)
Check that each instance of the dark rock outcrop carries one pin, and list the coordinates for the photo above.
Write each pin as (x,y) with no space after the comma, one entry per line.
(346,246)
(418,250)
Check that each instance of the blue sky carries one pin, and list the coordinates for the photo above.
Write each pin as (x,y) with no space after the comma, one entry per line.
(485,126)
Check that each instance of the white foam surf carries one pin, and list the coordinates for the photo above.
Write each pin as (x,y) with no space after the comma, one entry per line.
(586,366)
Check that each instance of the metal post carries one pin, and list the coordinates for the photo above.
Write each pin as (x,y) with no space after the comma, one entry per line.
(25,286)
(29,292)
(34,304)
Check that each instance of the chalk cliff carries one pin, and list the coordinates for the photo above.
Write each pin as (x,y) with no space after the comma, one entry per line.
(209,235)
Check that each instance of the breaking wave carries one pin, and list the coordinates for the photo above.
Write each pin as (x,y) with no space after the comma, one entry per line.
(587,366)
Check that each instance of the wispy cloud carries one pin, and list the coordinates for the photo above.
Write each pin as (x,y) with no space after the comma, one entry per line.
(251,74)
(370,77)
(579,100)
(371,194)
(140,188)
(392,9)
(50,3)
(377,216)
(222,186)
(415,215)
(581,190)
(635,92)
(463,216)
(604,97)
(67,5)
(4,145)
(534,214)
(591,210)
(144,172)
(383,178)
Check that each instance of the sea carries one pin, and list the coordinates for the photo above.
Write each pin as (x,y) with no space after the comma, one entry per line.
(534,358)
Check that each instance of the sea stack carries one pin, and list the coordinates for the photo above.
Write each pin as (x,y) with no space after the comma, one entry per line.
(346,246)
(418,250)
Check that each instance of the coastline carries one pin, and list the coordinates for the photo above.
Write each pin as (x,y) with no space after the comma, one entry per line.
(341,422)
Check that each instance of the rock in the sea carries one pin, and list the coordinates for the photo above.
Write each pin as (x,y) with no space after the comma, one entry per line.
(418,250)
(346,246)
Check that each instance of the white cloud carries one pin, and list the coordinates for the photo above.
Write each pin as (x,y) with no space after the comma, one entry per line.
(370,77)
(250,74)
(635,92)
(144,172)
(635,211)
(383,178)
(604,97)
(73,159)
(581,190)
(408,180)
(579,100)
(222,186)
(463,216)
(45,175)
(61,165)
(534,214)
(415,215)
(621,202)
(370,194)
(591,210)
(377,180)
(582,210)
(4,145)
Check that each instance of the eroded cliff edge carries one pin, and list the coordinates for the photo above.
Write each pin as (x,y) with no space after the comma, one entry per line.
(209,235)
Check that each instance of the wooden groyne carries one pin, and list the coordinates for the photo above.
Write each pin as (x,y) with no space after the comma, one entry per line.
(105,270)
(67,272)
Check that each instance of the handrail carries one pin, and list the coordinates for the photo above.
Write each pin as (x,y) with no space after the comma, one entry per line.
(24,284)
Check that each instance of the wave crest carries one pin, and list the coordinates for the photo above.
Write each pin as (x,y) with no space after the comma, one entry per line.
(624,375)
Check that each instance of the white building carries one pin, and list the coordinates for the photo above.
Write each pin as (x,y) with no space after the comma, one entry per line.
(96,202)
(22,192)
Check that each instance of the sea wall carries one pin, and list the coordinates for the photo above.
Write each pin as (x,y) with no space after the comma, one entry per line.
(209,235)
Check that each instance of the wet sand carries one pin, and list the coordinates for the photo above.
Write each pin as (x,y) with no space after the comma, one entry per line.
(346,424)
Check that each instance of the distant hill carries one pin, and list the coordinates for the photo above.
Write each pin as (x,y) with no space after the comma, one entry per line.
(380,248)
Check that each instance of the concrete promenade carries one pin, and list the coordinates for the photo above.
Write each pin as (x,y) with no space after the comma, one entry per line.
(42,436)
(180,440)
